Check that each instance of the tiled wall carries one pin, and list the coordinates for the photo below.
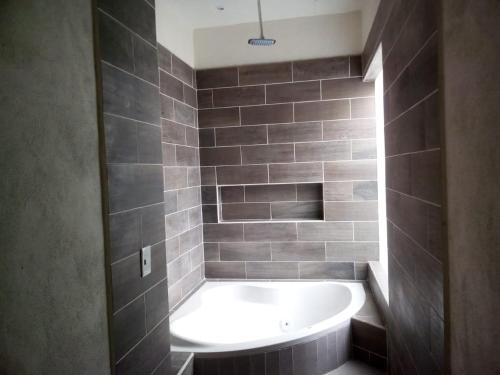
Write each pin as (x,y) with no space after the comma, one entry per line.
(408,33)
(132,132)
(279,125)
(181,165)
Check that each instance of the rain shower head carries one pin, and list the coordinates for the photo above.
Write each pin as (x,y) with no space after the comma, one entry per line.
(262,41)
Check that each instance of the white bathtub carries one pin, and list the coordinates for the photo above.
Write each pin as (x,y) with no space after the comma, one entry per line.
(244,316)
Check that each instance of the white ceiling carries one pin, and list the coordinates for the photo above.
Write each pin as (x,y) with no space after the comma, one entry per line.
(204,13)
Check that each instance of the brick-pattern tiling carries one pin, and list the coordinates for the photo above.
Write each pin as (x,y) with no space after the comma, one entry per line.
(289,124)
(408,32)
(133,161)
(181,165)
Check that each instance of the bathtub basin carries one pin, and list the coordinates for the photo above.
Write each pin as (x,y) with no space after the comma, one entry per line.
(233,318)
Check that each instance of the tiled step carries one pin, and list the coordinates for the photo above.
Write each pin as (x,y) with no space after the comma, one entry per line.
(356,368)
(369,343)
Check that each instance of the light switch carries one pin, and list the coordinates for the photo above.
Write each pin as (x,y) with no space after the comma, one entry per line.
(145,261)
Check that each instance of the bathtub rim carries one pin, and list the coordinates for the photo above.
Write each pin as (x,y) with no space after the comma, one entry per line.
(320,330)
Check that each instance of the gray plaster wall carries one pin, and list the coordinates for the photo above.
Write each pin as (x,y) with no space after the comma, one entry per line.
(53,314)
(471,58)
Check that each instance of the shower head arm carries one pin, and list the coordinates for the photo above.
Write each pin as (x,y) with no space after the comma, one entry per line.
(260,20)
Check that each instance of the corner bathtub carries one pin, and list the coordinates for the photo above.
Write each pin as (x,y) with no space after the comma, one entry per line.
(230,320)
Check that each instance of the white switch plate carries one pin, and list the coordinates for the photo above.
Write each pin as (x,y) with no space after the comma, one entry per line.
(145,261)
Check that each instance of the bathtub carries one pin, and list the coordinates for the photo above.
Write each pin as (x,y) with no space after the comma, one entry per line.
(228,320)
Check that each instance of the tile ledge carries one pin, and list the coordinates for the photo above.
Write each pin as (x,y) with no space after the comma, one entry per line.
(378,278)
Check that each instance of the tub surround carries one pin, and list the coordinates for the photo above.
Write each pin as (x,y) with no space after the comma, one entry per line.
(362,337)
(281,128)
(407,31)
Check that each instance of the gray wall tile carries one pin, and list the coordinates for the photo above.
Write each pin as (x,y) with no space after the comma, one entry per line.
(238,96)
(272,270)
(245,251)
(346,88)
(267,114)
(297,132)
(325,231)
(283,153)
(333,67)
(322,110)
(327,270)
(323,151)
(218,117)
(247,174)
(293,92)
(298,251)
(259,232)
(244,135)
(296,172)
(349,129)
(265,73)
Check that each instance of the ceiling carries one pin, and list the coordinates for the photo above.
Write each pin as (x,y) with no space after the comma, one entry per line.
(204,13)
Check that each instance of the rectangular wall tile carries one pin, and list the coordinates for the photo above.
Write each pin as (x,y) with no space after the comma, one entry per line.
(325,231)
(211,78)
(220,156)
(296,172)
(298,251)
(219,117)
(248,174)
(239,96)
(322,110)
(327,270)
(267,114)
(351,170)
(346,88)
(243,135)
(349,129)
(297,132)
(265,73)
(258,232)
(293,92)
(245,251)
(334,67)
(272,270)
(323,151)
(270,193)
(281,153)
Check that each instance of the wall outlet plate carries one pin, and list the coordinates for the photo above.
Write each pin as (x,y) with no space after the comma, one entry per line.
(145,261)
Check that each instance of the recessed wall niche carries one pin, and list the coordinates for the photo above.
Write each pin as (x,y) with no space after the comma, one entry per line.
(270,202)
